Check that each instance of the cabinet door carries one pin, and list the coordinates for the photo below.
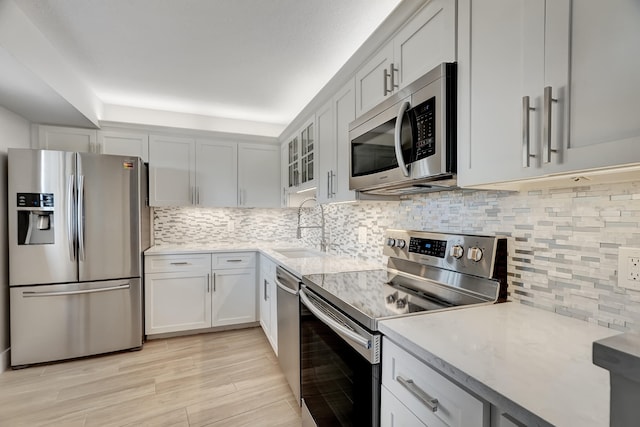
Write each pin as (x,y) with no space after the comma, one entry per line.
(124,143)
(344,112)
(273,301)
(326,152)
(426,41)
(66,139)
(265,304)
(393,413)
(177,302)
(234,296)
(284,175)
(592,60)
(501,50)
(373,83)
(172,164)
(216,173)
(259,175)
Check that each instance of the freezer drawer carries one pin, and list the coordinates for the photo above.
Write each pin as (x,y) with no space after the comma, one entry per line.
(56,322)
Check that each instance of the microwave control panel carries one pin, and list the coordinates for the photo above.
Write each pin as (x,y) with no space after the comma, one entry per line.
(424,120)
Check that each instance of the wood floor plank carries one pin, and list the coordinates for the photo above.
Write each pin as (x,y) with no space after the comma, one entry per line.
(223,378)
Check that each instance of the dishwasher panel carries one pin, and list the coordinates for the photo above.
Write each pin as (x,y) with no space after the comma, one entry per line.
(289,328)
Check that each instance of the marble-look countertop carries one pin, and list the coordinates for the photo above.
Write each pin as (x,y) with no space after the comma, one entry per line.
(326,263)
(523,360)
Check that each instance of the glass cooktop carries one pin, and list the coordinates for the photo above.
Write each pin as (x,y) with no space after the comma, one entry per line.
(372,295)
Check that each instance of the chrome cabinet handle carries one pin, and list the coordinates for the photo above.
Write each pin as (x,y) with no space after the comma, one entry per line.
(180,263)
(197,195)
(333,186)
(394,85)
(398,143)
(234,260)
(421,395)
(80,217)
(265,289)
(328,185)
(70,214)
(548,101)
(208,282)
(385,76)
(214,282)
(526,137)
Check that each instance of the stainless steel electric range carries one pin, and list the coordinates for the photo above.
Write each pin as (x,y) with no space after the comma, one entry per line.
(339,315)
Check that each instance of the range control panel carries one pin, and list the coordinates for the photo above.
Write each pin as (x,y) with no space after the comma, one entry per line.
(464,253)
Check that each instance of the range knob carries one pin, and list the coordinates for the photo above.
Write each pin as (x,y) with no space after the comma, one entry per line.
(457,251)
(475,254)
(400,243)
(391,242)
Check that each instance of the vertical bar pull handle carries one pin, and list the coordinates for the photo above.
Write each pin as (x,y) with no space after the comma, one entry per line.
(265,289)
(526,137)
(548,101)
(385,76)
(208,282)
(328,185)
(80,220)
(394,85)
(70,215)
(214,282)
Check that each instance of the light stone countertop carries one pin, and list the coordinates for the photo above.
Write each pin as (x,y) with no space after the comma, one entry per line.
(327,263)
(523,360)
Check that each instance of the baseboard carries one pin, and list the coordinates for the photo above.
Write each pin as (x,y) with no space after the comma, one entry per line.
(5,360)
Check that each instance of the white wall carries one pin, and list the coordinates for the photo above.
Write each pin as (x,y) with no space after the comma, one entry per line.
(14,133)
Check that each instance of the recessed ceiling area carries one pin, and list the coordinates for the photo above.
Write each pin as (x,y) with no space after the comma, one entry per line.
(258,60)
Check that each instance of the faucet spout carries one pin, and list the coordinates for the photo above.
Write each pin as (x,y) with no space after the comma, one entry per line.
(323,240)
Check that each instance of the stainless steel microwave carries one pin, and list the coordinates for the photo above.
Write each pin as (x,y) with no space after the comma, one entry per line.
(407,144)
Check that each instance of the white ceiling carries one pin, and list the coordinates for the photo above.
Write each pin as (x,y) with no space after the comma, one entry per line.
(259,60)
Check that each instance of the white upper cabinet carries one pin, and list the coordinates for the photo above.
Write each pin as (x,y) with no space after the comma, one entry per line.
(124,143)
(427,40)
(332,122)
(216,173)
(546,88)
(64,139)
(172,165)
(326,152)
(258,175)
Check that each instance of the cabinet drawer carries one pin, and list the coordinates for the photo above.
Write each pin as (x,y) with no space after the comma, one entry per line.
(177,263)
(393,413)
(234,260)
(411,381)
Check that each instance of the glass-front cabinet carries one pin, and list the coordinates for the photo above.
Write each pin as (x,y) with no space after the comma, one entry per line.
(300,158)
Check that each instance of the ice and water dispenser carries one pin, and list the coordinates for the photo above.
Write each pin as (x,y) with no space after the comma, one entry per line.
(35,218)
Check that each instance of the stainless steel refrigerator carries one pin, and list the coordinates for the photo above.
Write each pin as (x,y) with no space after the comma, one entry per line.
(78,224)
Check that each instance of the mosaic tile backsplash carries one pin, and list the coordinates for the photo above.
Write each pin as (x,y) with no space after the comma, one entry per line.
(563,243)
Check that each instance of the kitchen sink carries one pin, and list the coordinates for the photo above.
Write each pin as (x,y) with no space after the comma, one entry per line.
(299,253)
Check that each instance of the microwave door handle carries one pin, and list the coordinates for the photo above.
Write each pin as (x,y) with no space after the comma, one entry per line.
(398,142)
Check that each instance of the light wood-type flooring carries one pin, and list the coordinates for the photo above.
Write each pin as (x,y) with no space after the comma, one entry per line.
(228,378)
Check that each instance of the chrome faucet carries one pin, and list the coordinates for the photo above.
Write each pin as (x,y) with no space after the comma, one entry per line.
(323,240)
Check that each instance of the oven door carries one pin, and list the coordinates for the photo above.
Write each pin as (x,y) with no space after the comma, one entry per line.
(340,367)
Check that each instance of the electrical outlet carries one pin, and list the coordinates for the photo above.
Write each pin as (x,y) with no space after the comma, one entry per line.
(231,225)
(629,268)
(362,234)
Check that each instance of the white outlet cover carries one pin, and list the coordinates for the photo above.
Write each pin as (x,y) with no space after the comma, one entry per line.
(629,268)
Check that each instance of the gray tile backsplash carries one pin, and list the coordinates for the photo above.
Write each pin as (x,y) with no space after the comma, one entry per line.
(563,243)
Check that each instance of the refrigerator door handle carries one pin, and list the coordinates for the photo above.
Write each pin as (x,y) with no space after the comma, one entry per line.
(31,294)
(70,234)
(80,219)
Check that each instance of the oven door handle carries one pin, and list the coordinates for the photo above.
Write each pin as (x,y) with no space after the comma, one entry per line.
(397,138)
(333,324)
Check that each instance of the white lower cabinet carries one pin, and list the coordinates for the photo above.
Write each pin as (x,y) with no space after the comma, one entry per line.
(234,296)
(432,398)
(185,292)
(268,302)
(394,413)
